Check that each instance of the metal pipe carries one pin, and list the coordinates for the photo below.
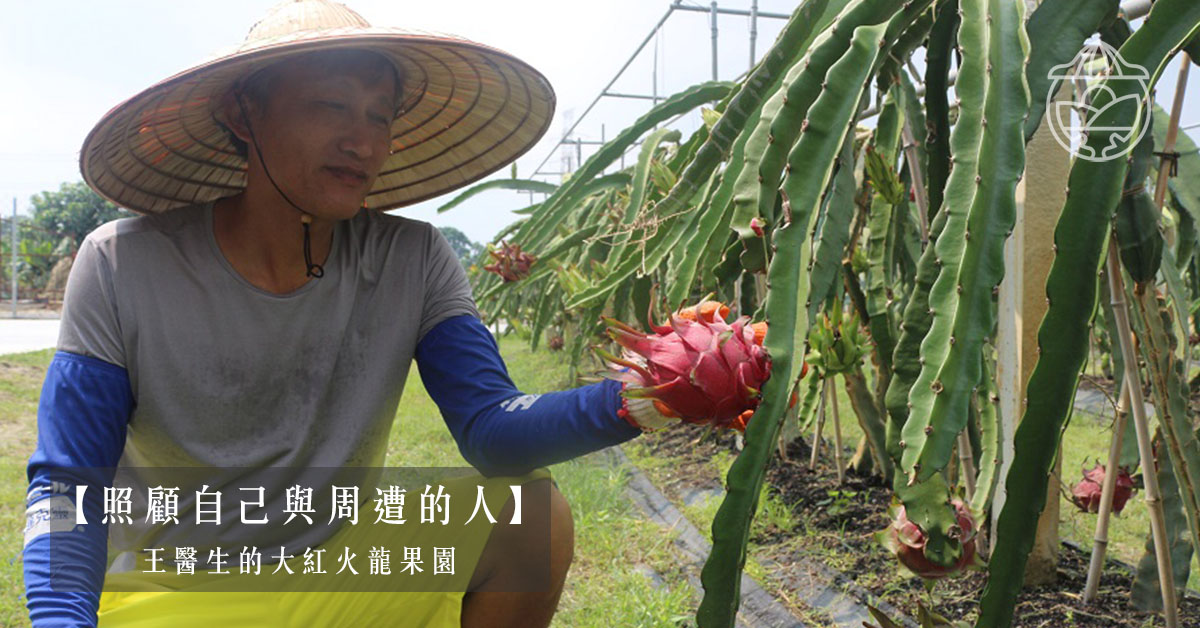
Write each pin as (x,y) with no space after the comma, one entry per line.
(753,30)
(777,16)
(13,227)
(645,41)
(714,40)
(654,97)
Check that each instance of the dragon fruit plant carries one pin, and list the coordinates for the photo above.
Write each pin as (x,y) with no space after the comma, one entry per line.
(1086,494)
(907,541)
(511,263)
(698,368)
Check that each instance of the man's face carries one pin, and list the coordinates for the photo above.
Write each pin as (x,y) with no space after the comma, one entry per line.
(324,136)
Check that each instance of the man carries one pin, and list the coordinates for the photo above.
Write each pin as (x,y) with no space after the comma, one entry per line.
(264,313)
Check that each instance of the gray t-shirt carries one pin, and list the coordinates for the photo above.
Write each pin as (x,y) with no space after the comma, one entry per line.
(225,374)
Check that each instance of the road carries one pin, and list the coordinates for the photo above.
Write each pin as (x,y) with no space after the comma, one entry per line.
(27,334)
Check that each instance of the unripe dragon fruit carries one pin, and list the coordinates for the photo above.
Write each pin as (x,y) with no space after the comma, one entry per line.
(907,541)
(703,371)
(512,264)
(1086,494)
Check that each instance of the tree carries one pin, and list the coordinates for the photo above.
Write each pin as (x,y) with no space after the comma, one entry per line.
(464,248)
(73,211)
(58,223)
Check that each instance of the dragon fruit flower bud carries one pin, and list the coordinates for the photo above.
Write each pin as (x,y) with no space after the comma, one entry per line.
(756,225)
(511,263)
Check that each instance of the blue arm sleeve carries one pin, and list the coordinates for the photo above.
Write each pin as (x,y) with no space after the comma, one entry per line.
(82,417)
(500,430)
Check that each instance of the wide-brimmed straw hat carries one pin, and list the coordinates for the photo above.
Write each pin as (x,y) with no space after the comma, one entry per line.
(468,110)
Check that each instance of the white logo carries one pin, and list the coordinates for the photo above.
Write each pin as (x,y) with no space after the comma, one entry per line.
(1076,124)
(519,403)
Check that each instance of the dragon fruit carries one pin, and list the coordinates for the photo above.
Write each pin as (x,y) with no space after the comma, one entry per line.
(512,264)
(907,541)
(710,311)
(704,371)
(1086,494)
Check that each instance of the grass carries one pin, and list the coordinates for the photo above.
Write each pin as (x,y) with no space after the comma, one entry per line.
(606,585)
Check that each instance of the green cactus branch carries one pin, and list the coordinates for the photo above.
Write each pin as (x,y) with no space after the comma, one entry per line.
(1080,238)
(830,118)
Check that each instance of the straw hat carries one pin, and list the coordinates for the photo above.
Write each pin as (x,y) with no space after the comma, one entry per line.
(468,111)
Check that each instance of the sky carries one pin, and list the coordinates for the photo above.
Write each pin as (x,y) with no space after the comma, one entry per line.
(66,63)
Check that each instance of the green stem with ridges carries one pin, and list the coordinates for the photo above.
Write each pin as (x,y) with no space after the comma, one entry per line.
(962,296)
(686,261)
(1080,237)
(869,418)
(1057,30)
(1169,384)
(830,119)
(879,281)
(947,250)
(560,205)
(637,193)
(809,19)
(1146,594)
(784,115)
(835,232)
(989,438)
(520,185)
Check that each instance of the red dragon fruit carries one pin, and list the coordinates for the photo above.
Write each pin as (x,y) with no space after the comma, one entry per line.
(1086,494)
(511,263)
(703,371)
(907,541)
(710,311)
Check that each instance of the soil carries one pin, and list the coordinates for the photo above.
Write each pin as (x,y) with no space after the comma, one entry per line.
(844,519)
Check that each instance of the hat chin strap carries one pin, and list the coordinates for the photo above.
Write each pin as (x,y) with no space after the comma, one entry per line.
(312,269)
